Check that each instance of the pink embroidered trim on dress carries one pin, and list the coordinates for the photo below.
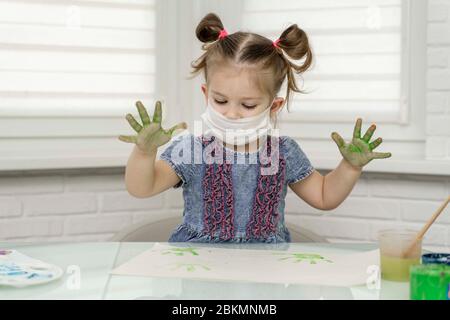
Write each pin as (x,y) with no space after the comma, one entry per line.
(264,217)
(218,198)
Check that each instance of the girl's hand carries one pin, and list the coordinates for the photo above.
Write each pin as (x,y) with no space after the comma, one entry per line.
(359,152)
(150,135)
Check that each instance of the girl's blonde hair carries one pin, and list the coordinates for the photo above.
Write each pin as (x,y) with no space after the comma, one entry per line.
(255,50)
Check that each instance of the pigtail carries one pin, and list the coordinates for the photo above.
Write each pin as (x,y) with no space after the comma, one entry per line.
(295,45)
(211,32)
(209,28)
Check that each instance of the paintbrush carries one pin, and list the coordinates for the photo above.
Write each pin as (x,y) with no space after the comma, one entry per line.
(425,228)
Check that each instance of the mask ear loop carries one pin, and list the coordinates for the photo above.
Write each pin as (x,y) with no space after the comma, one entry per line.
(276,118)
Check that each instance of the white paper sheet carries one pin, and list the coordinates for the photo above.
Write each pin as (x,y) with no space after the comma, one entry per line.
(268,266)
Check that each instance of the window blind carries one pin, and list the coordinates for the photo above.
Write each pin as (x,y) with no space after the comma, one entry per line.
(357,52)
(75,57)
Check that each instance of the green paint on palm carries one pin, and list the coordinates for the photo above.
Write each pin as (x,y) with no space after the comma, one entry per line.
(181,251)
(150,135)
(312,258)
(354,148)
(359,151)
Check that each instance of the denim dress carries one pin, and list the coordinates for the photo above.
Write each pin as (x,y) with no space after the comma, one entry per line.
(232,196)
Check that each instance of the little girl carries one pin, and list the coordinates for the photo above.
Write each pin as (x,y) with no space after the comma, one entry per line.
(227,199)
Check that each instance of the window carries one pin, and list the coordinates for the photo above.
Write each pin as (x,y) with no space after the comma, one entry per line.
(69,73)
(357,51)
(365,64)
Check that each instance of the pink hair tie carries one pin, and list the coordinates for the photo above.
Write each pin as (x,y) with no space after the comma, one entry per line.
(223,33)
(275,43)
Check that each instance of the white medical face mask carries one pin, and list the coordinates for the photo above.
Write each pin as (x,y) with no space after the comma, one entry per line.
(237,131)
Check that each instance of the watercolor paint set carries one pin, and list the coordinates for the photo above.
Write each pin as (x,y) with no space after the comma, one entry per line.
(19,270)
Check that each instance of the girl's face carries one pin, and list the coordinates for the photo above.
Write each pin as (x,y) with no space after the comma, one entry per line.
(233,91)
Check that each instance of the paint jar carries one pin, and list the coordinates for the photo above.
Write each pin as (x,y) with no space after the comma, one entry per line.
(436,258)
(430,282)
(394,263)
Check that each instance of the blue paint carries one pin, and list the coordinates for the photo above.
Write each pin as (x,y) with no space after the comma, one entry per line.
(14,273)
(15,270)
(37,275)
(11,269)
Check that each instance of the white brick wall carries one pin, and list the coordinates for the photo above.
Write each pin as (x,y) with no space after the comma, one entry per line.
(379,201)
(82,206)
(438,79)
(73,205)
(91,205)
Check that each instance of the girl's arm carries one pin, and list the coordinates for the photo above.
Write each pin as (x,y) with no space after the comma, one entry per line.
(143,176)
(327,192)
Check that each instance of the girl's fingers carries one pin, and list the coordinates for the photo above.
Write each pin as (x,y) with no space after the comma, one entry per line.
(357,129)
(369,133)
(133,123)
(143,113)
(129,139)
(380,155)
(181,125)
(157,114)
(375,144)
(338,139)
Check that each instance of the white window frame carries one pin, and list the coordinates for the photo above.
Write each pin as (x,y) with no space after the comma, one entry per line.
(175,50)
(87,137)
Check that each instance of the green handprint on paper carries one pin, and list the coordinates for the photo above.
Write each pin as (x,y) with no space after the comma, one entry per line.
(181,251)
(359,151)
(312,258)
(191,266)
(150,134)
